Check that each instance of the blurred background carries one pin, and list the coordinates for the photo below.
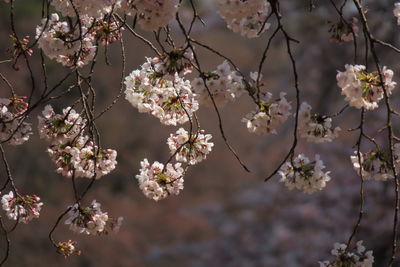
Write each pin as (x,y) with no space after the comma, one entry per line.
(224,216)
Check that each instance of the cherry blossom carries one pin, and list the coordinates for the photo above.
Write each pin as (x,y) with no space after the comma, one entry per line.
(91,220)
(316,128)
(158,181)
(357,258)
(21,208)
(193,149)
(304,175)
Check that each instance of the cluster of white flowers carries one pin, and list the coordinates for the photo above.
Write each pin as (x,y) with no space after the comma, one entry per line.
(363,89)
(375,164)
(342,31)
(246,17)
(357,258)
(60,128)
(72,152)
(269,115)
(223,83)
(78,158)
(158,181)
(12,127)
(316,128)
(91,220)
(58,41)
(151,14)
(21,208)
(396,12)
(92,8)
(192,149)
(304,175)
(168,98)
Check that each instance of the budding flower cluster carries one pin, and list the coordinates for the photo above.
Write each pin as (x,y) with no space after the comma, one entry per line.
(193,149)
(152,90)
(224,84)
(13,129)
(269,115)
(316,128)
(21,208)
(67,248)
(246,17)
(91,220)
(363,89)
(304,175)
(158,181)
(344,257)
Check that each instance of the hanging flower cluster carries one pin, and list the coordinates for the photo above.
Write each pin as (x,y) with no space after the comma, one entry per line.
(60,128)
(151,90)
(13,129)
(357,258)
(193,149)
(314,127)
(304,175)
(375,164)
(224,84)
(269,115)
(245,17)
(60,41)
(151,14)
(72,152)
(21,208)
(91,220)
(157,181)
(363,89)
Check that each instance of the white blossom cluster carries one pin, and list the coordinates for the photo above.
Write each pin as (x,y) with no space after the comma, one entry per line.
(192,149)
(60,128)
(91,220)
(316,128)
(58,41)
(363,89)
(375,165)
(78,158)
(91,8)
(13,129)
(21,208)
(304,175)
(151,91)
(357,258)
(158,181)
(151,14)
(223,83)
(246,17)
(71,151)
(396,12)
(269,115)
